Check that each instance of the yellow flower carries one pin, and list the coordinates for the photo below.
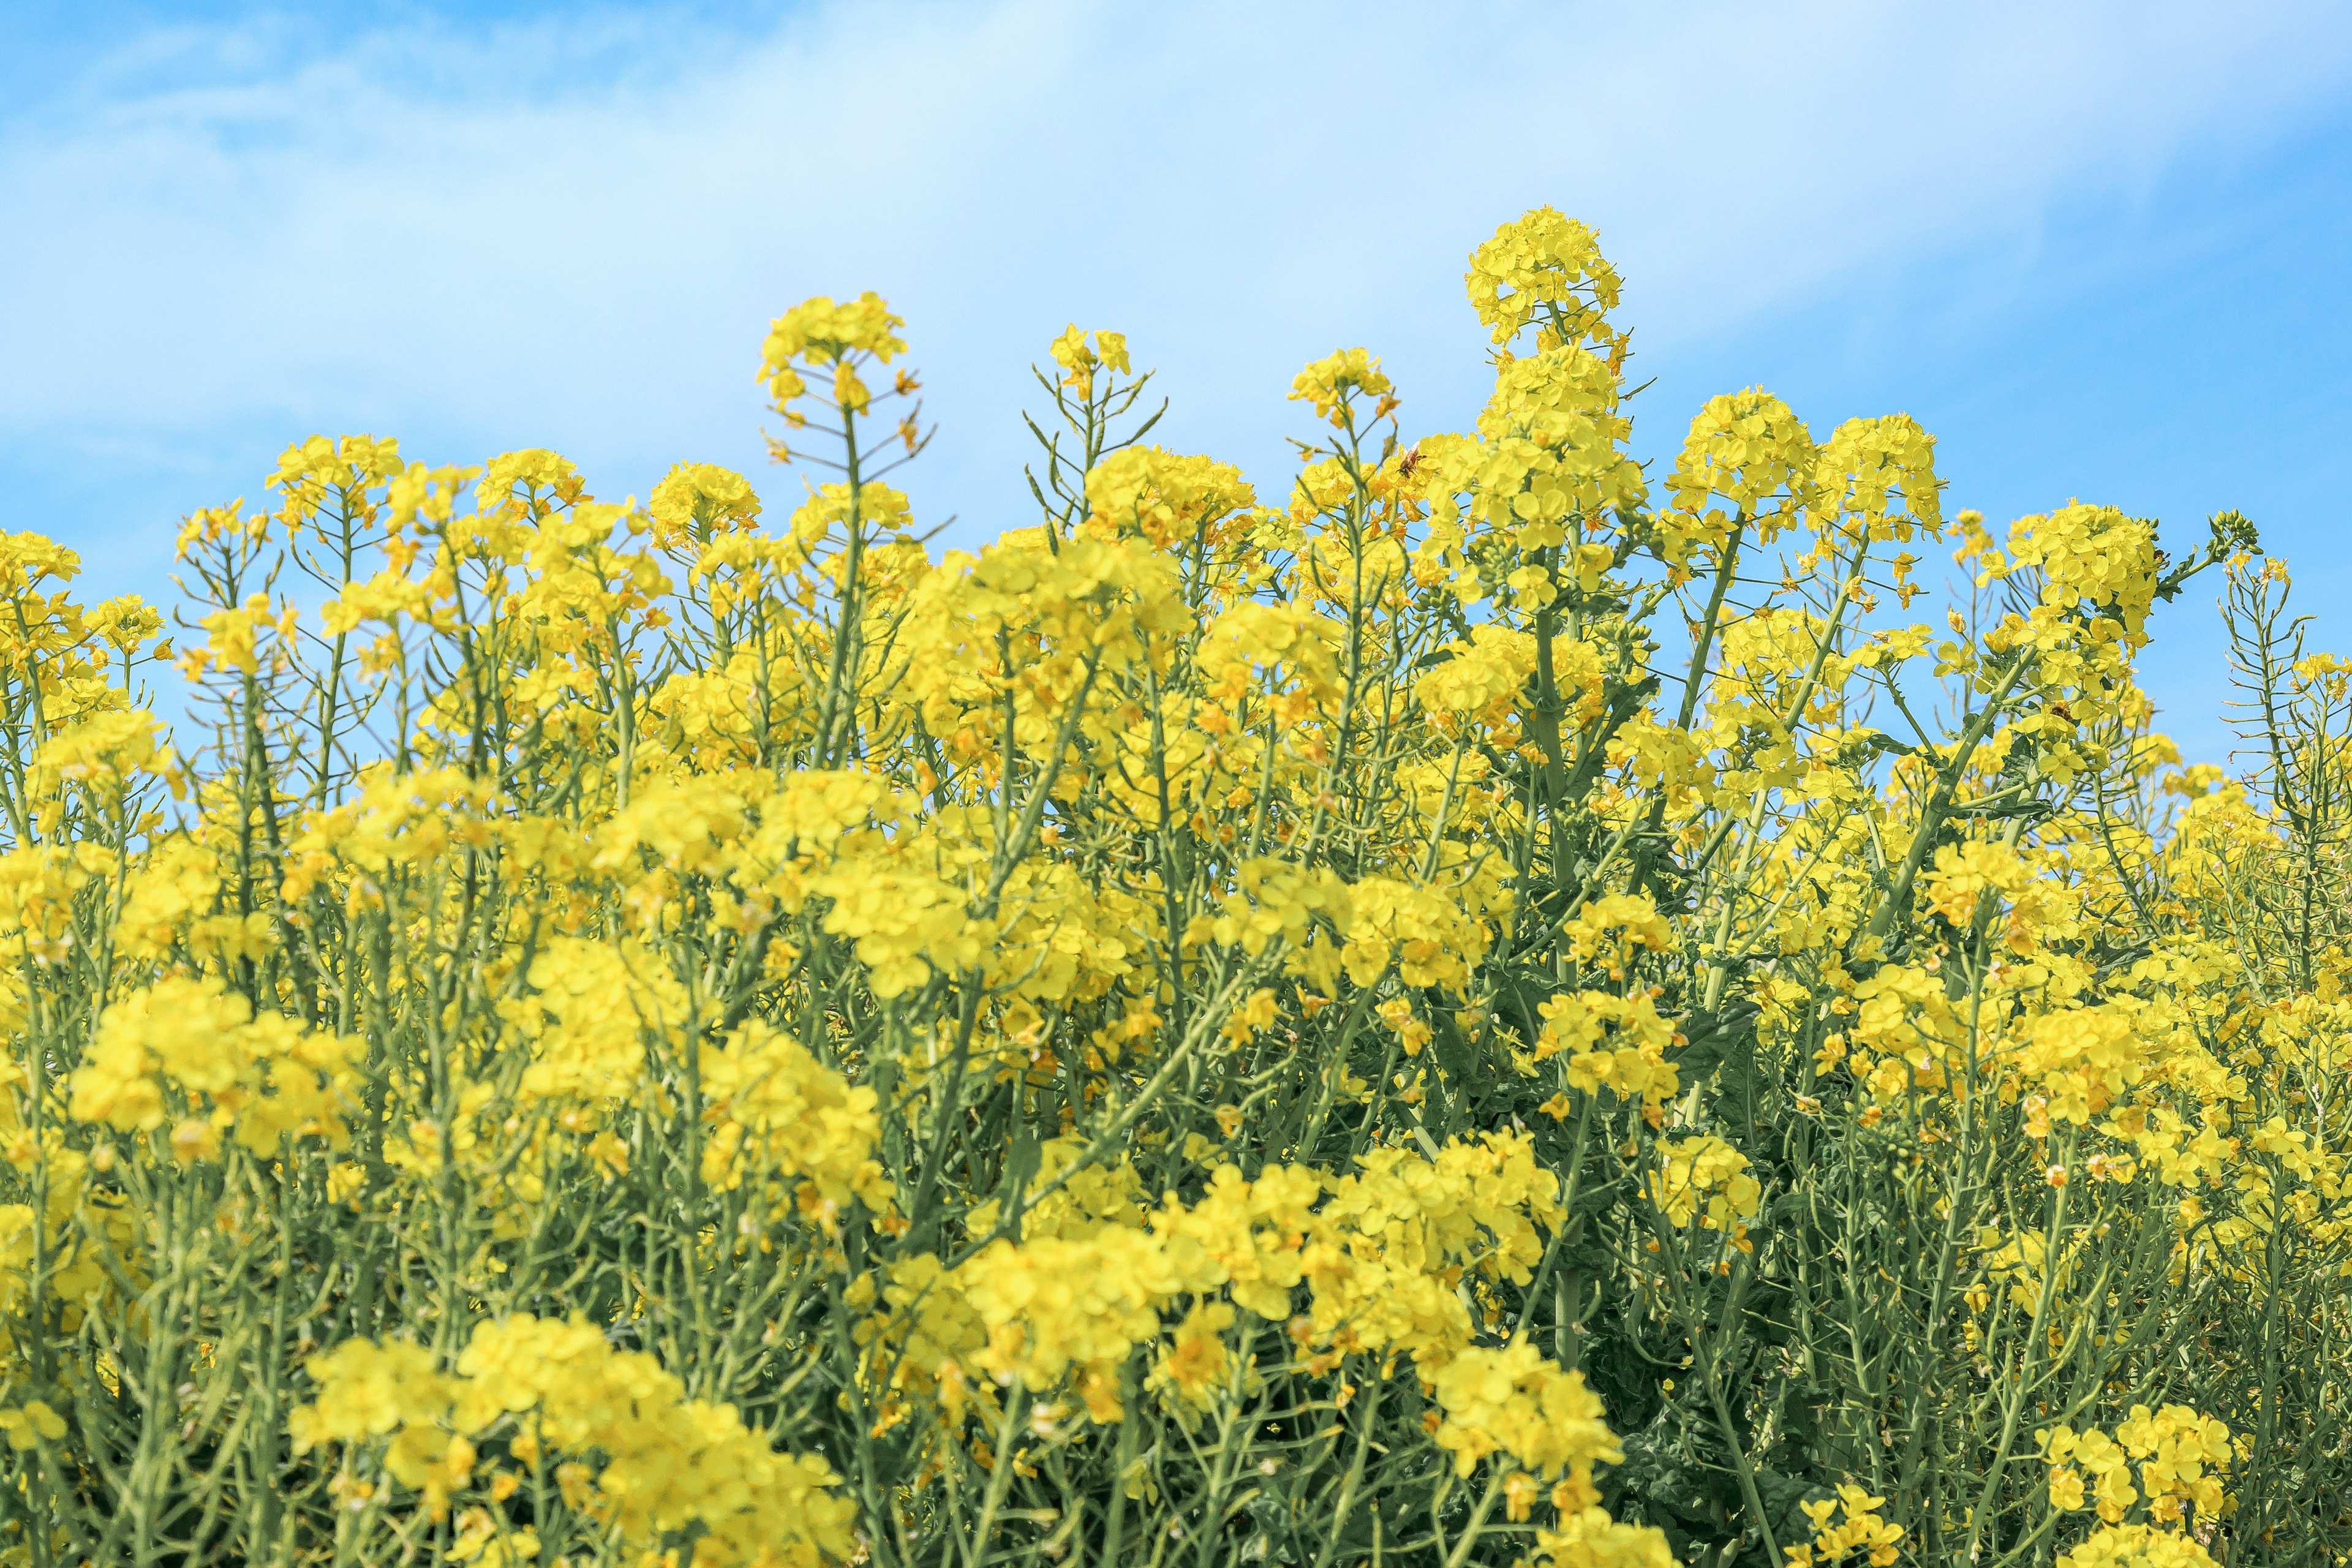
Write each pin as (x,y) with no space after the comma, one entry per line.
(1516,1402)
(1332,383)
(1542,266)
(1747,450)
(366,1390)
(1196,1363)
(1858,1528)
(31,1424)
(2136,1546)
(700,496)
(1078,359)
(1704,1179)
(826,333)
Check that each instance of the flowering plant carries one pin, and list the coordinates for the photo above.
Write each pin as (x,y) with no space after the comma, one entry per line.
(1487,1010)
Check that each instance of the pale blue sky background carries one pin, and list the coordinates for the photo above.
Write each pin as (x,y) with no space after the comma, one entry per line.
(2100,250)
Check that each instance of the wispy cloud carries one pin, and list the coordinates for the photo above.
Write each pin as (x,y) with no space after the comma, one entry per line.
(570,232)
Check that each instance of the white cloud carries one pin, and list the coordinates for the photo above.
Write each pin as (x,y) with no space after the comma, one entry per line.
(434,231)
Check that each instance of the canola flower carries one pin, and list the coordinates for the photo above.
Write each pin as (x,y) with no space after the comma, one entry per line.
(1491,1007)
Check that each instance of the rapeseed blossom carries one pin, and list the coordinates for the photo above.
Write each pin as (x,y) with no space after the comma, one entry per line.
(1471,1008)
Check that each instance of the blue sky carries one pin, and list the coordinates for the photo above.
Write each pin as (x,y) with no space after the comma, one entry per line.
(2100,250)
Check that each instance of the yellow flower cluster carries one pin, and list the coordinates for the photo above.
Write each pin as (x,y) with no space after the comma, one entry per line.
(1746,449)
(1859,1528)
(1616,1043)
(1542,267)
(1332,383)
(622,1445)
(1514,1401)
(1380,1253)
(191,1054)
(1705,1180)
(1079,357)
(2136,1546)
(2181,1455)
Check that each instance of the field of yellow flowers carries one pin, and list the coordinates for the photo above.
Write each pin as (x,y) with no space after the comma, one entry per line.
(1493,1007)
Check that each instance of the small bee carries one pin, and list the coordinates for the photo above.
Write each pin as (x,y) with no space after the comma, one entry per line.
(1410,464)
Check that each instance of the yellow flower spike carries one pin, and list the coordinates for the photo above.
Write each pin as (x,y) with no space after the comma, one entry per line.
(1514,1401)
(1875,479)
(2089,556)
(1543,266)
(823,332)
(1333,382)
(322,471)
(849,392)
(228,527)
(1079,359)
(1702,1179)
(701,497)
(1167,498)
(1747,451)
